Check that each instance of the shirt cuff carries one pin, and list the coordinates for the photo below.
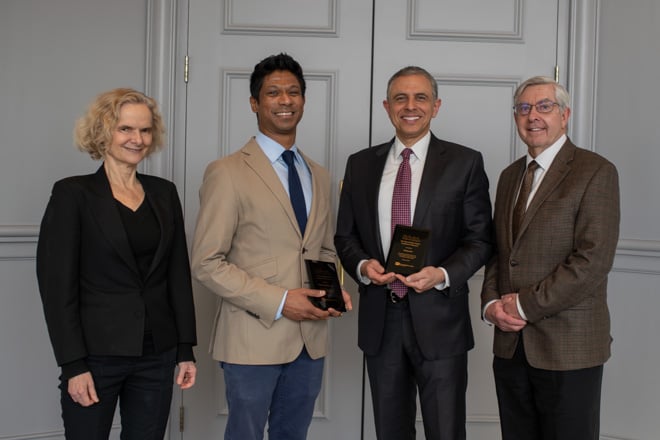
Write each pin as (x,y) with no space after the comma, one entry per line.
(519,307)
(278,315)
(364,280)
(445,283)
(483,311)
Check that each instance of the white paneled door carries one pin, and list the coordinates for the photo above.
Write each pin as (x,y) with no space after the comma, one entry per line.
(478,50)
(332,42)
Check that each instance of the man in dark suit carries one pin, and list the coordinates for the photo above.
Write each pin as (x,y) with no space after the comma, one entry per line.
(546,289)
(415,331)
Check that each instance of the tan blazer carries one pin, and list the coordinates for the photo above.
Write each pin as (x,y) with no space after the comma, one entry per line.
(248,250)
(560,260)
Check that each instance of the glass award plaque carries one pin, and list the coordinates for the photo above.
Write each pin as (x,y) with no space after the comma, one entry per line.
(407,250)
(323,276)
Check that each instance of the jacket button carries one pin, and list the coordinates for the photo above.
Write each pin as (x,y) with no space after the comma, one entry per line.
(513,263)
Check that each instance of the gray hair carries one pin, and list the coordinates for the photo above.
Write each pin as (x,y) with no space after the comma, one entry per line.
(561,94)
(414,70)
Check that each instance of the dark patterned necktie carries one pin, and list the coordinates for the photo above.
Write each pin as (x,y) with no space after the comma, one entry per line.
(295,191)
(523,195)
(401,208)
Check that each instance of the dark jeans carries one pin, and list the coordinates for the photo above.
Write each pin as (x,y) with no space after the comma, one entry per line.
(283,394)
(143,386)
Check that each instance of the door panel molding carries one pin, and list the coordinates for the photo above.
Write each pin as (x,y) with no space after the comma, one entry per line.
(509,83)
(482,31)
(265,17)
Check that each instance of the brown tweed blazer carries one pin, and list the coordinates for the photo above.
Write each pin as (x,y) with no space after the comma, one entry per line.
(560,260)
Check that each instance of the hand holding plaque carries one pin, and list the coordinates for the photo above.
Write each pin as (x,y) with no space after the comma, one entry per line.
(407,250)
(323,276)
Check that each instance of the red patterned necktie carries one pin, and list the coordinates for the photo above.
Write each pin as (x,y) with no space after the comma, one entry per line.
(523,196)
(401,208)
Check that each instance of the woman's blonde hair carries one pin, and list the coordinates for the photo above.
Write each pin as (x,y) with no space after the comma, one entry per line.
(93,131)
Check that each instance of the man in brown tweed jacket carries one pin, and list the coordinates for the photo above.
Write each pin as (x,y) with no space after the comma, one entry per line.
(546,288)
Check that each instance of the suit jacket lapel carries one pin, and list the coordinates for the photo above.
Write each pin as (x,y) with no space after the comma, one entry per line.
(554,176)
(313,217)
(161,209)
(371,182)
(258,161)
(103,206)
(433,167)
(510,189)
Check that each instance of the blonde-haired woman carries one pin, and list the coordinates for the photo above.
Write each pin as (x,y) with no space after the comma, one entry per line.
(114,278)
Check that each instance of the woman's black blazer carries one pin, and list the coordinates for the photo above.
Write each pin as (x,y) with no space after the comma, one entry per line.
(94,298)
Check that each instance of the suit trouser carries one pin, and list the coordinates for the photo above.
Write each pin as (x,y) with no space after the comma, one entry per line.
(143,386)
(399,369)
(538,404)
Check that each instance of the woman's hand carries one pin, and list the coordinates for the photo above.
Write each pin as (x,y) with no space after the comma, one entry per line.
(81,389)
(187,374)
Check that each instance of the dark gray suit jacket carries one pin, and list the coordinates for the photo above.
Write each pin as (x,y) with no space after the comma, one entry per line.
(453,202)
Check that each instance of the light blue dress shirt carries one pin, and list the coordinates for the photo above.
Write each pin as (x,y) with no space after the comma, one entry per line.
(273,151)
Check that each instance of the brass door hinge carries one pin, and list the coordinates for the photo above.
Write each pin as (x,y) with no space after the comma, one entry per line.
(186,68)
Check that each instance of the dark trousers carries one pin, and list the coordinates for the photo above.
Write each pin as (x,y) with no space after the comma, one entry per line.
(143,387)
(399,369)
(540,404)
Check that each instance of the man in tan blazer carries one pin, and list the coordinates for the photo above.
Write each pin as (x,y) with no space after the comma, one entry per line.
(250,247)
(546,289)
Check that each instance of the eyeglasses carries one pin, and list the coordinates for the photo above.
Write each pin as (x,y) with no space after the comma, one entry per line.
(523,109)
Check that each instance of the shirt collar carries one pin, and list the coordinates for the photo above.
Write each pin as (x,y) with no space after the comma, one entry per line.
(272,149)
(548,155)
(420,148)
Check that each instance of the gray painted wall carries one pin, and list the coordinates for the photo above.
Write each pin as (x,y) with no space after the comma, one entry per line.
(55,56)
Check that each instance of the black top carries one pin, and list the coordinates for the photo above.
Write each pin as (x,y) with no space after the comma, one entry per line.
(143,233)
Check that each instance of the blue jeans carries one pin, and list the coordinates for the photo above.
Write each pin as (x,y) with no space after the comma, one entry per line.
(283,394)
(143,386)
